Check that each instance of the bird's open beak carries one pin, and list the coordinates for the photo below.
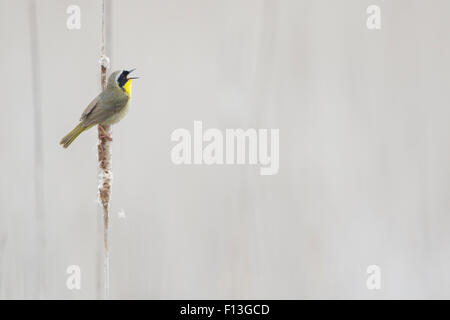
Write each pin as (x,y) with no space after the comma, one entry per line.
(131,72)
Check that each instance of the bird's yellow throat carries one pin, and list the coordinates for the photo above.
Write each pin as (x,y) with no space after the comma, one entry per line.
(127,87)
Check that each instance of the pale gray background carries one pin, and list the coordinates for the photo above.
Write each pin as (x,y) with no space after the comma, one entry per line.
(364,150)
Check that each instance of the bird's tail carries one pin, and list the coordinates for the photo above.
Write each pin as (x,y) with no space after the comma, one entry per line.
(72,135)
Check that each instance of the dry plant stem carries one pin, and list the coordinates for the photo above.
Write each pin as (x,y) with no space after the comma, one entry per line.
(104,161)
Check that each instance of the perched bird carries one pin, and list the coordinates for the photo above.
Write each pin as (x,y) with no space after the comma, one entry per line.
(109,107)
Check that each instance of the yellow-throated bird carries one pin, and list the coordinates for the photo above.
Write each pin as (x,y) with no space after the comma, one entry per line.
(109,107)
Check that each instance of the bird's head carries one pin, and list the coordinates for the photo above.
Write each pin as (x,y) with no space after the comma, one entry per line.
(121,79)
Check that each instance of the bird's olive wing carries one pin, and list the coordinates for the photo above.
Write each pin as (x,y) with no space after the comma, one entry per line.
(89,108)
(104,108)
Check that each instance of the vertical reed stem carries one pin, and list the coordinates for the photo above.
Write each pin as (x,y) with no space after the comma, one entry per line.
(104,160)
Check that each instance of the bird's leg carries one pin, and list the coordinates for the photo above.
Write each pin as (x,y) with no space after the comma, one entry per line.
(105,134)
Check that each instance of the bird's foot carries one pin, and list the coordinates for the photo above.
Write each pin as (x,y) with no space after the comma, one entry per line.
(105,134)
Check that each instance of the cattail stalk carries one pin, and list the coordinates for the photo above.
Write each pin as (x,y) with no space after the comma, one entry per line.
(104,161)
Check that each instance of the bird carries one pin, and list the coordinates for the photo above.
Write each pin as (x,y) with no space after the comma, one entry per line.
(108,108)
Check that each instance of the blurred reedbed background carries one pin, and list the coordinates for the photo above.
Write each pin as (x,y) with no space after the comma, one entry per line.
(364,150)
